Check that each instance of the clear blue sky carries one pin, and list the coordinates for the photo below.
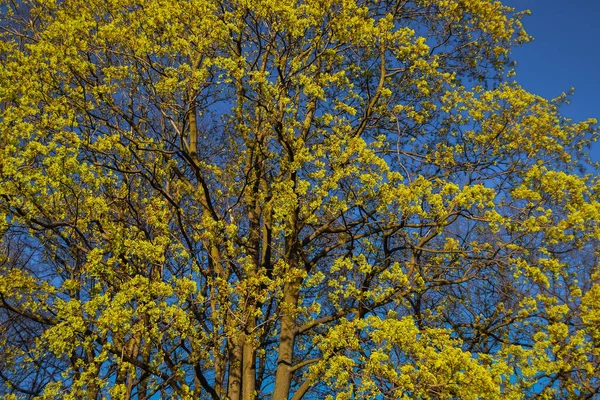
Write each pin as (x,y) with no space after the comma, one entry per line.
(565,53)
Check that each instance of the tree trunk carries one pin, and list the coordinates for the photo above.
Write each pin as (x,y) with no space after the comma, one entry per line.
(283,376)
(248,371)
(234,389)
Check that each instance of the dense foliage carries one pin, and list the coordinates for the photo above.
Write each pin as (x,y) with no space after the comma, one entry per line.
(288,199)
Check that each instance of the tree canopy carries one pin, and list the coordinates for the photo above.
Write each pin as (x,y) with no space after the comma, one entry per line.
(286,199)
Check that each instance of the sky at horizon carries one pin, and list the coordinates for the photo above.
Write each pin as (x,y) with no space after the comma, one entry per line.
(565,53)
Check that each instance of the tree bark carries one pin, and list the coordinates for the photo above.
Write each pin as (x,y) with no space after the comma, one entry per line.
(283,376)
(234,389)
(248,371)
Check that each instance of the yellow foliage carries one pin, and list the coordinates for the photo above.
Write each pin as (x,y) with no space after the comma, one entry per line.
(285,199)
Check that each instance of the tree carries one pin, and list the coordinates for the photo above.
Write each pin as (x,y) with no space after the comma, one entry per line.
(289,199)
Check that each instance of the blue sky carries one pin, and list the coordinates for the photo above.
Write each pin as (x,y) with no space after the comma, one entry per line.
(565,53)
